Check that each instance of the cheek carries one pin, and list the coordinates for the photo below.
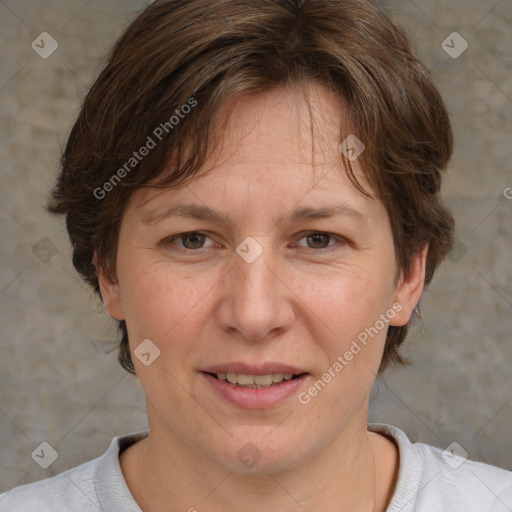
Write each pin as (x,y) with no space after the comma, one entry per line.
(346,325)
(344,311)
(346,301)
(159,301)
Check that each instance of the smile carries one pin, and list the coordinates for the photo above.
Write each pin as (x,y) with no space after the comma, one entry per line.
(255,381)
(249,391)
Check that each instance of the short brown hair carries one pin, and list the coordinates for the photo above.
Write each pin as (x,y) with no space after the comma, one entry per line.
(178,51)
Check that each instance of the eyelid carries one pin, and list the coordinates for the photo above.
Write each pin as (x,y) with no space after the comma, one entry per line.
(338,238)
(170,240)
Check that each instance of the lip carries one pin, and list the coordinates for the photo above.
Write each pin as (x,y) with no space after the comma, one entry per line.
(252,369)
(249,398)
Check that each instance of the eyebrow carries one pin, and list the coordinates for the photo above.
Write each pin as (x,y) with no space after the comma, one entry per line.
(199,212)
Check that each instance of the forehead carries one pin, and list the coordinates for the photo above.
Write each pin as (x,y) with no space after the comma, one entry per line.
(277,147)
(296,126)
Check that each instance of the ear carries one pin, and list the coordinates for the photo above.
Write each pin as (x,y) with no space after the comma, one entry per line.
(410,287)
(109,292)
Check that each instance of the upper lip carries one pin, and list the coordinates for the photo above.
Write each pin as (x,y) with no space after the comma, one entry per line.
(253,369)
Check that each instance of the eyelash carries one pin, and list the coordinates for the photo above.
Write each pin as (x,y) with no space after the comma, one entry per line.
(339,239)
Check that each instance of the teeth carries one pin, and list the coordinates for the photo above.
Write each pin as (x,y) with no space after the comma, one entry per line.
(231,377)
(262,380)
(245,379)
(254,381)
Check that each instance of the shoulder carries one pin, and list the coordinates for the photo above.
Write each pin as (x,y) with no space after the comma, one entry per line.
(95,485)
(457,480)
(72,489)
(445,480)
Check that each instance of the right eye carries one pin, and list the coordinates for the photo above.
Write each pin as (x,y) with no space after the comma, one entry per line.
(191,241)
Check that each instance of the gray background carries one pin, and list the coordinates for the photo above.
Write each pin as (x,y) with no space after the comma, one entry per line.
(58,383)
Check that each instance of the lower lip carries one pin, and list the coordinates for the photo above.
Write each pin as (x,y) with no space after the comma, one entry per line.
(253,398)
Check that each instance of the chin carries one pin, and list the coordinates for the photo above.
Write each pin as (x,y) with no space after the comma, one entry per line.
(255,455)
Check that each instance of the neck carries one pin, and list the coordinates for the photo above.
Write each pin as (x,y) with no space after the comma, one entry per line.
(164,473)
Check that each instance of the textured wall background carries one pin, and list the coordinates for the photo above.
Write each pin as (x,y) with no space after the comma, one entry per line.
(58,384)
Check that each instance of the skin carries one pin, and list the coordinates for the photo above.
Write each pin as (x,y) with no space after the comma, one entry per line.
(301,302)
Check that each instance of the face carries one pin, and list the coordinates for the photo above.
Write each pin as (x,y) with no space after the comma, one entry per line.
(282,267)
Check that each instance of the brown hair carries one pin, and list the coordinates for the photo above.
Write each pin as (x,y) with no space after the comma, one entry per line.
(201,54)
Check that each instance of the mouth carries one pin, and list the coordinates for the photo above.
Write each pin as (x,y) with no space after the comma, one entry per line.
(254,387)
(261,381)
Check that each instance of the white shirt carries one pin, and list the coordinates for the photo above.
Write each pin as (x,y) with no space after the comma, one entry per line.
(427,482)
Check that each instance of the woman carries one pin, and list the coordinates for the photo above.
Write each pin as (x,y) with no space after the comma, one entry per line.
(253,189)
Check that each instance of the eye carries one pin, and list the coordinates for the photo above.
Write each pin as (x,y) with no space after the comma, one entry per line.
(191,240)
(320,240)
(194,240)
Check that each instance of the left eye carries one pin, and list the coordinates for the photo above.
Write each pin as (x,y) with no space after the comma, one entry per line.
(318,239)
(196,239)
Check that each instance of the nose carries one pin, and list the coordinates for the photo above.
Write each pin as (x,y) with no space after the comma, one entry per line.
(257,299)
